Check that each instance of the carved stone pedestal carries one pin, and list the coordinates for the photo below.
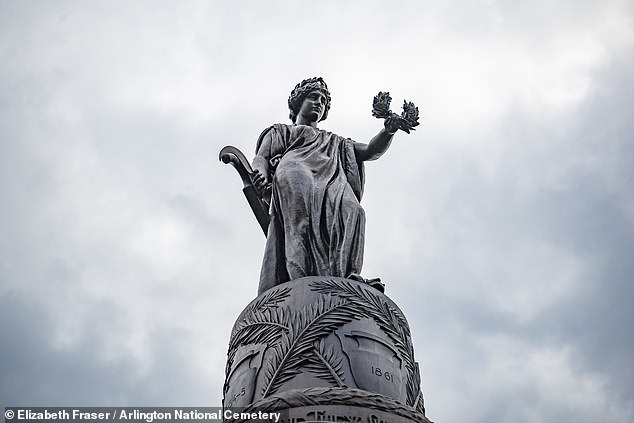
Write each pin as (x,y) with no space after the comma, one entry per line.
(324,349)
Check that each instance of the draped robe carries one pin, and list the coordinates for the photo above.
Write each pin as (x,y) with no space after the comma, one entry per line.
(317,223)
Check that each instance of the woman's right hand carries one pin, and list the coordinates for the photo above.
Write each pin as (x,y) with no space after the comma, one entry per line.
(262,186)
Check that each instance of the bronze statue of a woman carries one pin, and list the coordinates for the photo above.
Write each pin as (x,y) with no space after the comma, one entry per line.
(313,181)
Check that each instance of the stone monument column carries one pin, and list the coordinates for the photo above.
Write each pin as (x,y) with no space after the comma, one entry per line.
(324,349)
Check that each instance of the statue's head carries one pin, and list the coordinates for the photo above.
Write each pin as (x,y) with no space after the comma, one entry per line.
(300,92)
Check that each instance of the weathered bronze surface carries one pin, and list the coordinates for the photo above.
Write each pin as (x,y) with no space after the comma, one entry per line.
(323,341)
(310,181)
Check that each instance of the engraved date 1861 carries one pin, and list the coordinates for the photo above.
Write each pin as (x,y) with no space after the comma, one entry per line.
(377,371)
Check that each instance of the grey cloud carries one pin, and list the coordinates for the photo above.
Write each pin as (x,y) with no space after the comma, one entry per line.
(35,372)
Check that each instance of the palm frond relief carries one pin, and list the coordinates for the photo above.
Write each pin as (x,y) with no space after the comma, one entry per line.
(308,326)
(296,338)
(389,319)
(326,364)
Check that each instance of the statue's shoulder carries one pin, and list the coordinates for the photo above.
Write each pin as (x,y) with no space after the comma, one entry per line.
(278,132)
(333,136)
(277,128)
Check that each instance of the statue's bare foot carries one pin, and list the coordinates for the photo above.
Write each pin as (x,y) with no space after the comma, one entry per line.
(374,282)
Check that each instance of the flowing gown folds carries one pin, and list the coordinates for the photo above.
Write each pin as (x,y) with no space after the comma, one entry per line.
(317,223)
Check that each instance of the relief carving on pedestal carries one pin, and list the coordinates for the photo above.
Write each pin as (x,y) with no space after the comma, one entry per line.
(343,333)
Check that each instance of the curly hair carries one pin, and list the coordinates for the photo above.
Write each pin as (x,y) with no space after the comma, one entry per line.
(300,92)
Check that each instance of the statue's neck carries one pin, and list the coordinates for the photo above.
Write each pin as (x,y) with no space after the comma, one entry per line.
(301,121)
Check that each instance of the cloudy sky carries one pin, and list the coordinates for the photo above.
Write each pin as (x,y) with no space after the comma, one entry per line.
(503,227)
